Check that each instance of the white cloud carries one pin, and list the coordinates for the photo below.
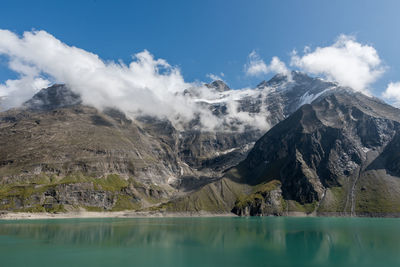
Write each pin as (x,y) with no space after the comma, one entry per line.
(139,86)
(214,77)
(15,92)
(347,61)
(256,66)
(144,86)
(277,66)
(392,93)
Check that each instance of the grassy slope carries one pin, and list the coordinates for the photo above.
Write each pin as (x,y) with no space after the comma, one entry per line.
(27,194)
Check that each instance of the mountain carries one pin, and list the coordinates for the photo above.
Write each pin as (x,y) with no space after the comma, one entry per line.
(275,99)
(58,154)
(56,96)
(218,85)
(337,155)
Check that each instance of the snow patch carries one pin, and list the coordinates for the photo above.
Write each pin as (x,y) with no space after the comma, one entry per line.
(365,149)
(309,98)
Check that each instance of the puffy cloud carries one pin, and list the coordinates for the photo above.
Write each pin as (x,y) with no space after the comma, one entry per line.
(146,85)
(347,61)
(140,86)
(278,66)
(392,93)
(17,91)
(256,66)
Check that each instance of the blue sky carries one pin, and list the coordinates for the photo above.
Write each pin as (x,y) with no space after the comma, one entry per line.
(202,37)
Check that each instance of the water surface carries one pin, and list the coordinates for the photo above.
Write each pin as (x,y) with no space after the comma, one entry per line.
(268,241)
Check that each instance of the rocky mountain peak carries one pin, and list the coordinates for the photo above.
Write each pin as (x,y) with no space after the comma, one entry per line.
(55,96)
(274,81)
(218,85)
(296,77)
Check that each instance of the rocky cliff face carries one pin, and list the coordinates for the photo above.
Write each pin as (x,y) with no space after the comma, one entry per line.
(337,155)
(326,156)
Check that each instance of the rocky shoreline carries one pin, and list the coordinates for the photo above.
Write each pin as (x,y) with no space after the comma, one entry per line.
(111,214)
(5,215)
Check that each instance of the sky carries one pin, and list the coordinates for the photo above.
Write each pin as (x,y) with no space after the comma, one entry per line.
(242,42)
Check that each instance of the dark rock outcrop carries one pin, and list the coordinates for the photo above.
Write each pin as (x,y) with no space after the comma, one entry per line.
(218,85)
(56,96)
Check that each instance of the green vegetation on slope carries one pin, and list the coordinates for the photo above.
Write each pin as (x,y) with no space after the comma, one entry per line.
(257,195)
(218,196)
(51,194)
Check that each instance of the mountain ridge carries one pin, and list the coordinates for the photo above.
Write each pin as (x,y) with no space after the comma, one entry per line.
(336,155)
(144,162)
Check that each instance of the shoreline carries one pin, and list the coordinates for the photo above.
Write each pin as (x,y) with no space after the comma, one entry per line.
(106,214)
(9,216)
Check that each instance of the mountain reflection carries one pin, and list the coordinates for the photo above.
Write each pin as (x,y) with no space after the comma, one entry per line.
(285,240)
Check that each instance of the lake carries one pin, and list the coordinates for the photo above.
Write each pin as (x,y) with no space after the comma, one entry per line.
(225,241)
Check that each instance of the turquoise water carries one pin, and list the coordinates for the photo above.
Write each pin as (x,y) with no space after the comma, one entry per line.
(268,241)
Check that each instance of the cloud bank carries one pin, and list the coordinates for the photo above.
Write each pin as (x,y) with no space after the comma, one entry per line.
(145,86)
(151,86)
(347,62)
(145,82)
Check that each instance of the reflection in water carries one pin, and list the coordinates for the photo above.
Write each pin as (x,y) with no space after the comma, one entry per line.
(202,242)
